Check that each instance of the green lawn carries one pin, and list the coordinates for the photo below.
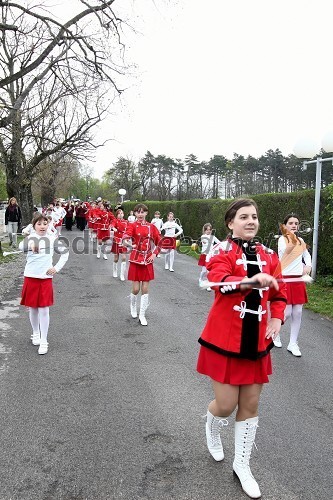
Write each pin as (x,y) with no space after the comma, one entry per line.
(320,293)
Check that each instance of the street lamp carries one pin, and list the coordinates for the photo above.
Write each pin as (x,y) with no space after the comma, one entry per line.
(307,148)
(122,193)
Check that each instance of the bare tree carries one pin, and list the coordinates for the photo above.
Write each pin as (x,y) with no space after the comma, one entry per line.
(56,86)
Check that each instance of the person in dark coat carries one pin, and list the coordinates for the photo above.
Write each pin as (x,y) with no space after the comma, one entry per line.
(13,218)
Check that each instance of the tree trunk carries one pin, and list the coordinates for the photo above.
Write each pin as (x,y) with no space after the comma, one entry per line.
(26,202)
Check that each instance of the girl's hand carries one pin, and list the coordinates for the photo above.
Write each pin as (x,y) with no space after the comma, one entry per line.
(151,259)
(273,328)
(51,271)
(306,270)
(262,280)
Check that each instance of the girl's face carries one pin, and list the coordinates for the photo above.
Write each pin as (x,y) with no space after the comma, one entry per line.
(292,224)
(170,216)
(41,227)
(141,214)
(120,215)
(13,201)
(208,230)
(245,223)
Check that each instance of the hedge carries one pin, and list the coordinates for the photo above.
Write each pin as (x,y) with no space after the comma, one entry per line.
(193,214)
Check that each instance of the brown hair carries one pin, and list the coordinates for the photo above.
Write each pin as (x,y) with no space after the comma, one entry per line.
(118,211)
(140,206)
(206,226)
(37,217)
(289,216)
(235,206)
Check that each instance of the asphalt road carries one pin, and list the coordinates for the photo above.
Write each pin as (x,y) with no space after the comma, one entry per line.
(113,411)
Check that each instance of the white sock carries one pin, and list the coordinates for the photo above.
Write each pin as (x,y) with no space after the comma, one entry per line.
(167,259)
(296,319)
(44,321)
(34,319)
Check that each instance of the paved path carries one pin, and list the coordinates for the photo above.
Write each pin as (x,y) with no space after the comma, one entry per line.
(113,411)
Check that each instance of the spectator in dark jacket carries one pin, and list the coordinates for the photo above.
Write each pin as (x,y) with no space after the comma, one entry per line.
(13,218)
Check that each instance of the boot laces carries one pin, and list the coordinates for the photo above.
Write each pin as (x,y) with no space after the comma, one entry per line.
(215,428)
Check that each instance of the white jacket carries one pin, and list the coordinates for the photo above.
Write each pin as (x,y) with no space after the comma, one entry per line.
(39,263)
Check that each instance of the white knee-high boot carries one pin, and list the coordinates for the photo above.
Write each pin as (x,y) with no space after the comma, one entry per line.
(134,312)
(115,269)
(143,307)
(122,271)
(245,433)
(213,429)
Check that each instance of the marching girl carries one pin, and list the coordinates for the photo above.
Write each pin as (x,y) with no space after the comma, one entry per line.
(237,338)
(142,236)
(60,214)
(208,240)
(120,224)
(91,217)
(169,240)
(104,219)
(292,253)
(37,291)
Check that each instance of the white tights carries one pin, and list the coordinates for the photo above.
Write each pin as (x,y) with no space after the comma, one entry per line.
(40,320)
(295,312)
(203,274)
(170,258)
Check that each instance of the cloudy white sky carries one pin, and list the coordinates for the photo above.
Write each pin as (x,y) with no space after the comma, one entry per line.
(222,76)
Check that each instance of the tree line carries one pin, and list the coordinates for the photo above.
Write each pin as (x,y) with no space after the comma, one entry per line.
(163,178)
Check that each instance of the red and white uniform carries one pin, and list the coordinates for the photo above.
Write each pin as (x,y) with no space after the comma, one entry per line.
(292,267)
(145,240)
(117,245)
(59,215)
(168,241)
(103,223)
(207,242)
(92,218)
(237,322)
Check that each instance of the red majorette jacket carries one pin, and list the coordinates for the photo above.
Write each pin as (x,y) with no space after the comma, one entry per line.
(121,226)
(237,322)
(144,237)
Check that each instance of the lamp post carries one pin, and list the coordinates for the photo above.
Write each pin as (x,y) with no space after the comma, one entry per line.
(306,148)
(122,193)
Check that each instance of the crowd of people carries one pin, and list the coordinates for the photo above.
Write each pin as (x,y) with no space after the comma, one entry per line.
(254,296)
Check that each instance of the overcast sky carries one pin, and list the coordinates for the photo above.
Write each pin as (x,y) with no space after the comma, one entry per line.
(222,76)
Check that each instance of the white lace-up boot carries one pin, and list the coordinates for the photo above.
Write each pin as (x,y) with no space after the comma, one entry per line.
(245,433)
(99,251)
(115,269)
(143,307)
(277,341)
(35,338)
(213,429)
(43,348)
(134,312)
(122,271)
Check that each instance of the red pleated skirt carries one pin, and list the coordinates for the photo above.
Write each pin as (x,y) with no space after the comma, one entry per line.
(168,243)
(140,272)
(202,260)
(118,249)
(296,292)
(37,292)
(233,371)
(103,234)
(59,223)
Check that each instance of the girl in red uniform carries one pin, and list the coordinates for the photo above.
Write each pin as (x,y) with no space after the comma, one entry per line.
(238,337)
(120,224)
(142,236)
(104,219)
(91,217)
(293,252)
